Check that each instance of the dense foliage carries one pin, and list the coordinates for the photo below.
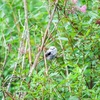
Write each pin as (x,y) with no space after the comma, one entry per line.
(75,31)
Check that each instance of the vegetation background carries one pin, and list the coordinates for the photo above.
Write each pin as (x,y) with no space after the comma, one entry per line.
(29,28)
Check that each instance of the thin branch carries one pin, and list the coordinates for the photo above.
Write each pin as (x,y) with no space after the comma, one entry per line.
(6,52)
(27,29)
(67,73)
(15,18)
(44,39)
(10,95)
(46,69)
(21,45)
(63,54)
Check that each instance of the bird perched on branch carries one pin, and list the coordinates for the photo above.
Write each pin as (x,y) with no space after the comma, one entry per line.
(51,53)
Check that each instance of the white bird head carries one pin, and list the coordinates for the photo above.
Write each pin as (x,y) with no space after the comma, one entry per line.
(51,53)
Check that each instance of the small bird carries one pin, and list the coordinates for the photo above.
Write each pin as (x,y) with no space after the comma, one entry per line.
(51,53)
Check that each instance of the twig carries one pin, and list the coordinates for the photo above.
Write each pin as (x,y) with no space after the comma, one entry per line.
(63,58)
(44,39)
(15,66)
(23,59)
(15,18)
(27,29)
(6,53)
(46,69)
(19,53)
(10,95)
(67,73)
(65,1)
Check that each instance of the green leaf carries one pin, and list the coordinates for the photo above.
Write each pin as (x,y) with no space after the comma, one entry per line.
(73,98)
(63,38)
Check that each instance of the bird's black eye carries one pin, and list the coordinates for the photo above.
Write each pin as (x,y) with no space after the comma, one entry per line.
(47,54)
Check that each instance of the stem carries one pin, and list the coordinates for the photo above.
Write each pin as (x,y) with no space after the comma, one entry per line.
(44,39)
(27,29)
